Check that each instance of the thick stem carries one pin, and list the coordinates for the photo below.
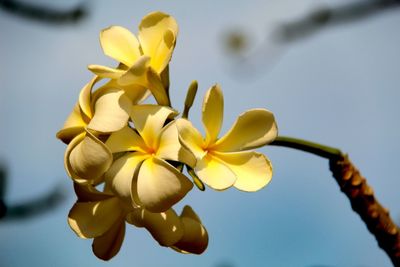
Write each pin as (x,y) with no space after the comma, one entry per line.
(363,202)
(307,146)
(360,194)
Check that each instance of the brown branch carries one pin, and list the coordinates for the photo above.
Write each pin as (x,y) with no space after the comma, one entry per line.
(363,202)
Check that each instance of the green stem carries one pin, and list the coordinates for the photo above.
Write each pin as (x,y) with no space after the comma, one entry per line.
(307,146)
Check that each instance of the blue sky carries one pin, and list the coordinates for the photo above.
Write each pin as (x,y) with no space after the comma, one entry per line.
(339,87)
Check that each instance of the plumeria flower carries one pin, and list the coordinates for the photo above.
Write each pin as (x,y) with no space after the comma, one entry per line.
(225,162)
(102,216)
(184,233)
(143,174)
(148,55)
(102,112)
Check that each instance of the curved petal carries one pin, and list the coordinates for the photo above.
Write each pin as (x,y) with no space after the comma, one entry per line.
(164,51)
(136,74)
(254,128)
(67,164)
(106,72)
(73,126)
(85,98)
(149,120)
(165,227)
(160,185)
(93,219)
(191,138)
(120,175)
(169,147)
(120,44)
(253,170)
(152,31)
(108,245)
(214,173)
(88,193)
(90,158)
(112,111)
(195,237)
(136,93)
(125,140)
(157,88)
(213,113)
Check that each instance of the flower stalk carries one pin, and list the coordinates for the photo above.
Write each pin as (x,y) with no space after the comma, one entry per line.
(361,195)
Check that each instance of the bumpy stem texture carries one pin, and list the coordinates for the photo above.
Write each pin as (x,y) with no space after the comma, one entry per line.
(363,202)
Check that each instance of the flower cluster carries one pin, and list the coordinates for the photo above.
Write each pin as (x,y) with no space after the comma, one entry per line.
(126,158)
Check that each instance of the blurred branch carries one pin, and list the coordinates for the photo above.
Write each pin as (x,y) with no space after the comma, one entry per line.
(44,14)
(3,208)
(29,208)
(36,206)
(272,48)
(325,16)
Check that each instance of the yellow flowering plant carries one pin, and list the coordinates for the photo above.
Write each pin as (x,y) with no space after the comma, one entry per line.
(126,158)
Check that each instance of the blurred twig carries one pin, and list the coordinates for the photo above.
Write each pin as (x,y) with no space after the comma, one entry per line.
(44,14)
(325,16)
(286,33)
(29,208)
(3,208)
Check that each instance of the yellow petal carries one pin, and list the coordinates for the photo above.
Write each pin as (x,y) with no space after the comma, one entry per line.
(124,140)
(213,113)
(67,164)
(156,87)
(88,193)
(90,158)
(106,72)
(169,147)
(112,111)
(93,219)
(195,237)
(165,227)
(160,185)
(136,74)
(108,245)
(120,175)
(134,92)
(152,31)
(214,173)
(253,170)
(149,120)
(254,128)
(190,138)
(164,51)
(120,44)
(73,126)
(85,98)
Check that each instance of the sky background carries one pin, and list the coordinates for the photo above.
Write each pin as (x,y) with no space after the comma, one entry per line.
(339,87)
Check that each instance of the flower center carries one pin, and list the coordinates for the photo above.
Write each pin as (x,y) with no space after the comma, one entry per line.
(151,151)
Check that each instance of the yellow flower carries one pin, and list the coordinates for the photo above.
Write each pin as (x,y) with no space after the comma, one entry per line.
(102,216)
(184,233)
(141,61)
(224,162)
(143,175)
(102,112)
